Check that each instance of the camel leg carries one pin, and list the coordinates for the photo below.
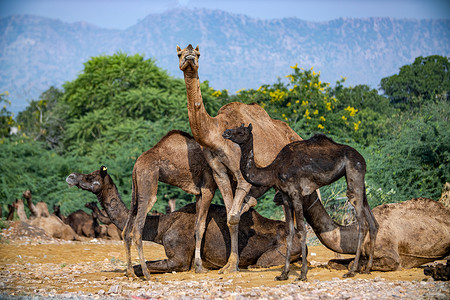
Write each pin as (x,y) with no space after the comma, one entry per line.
(147,188)
(202,207)
(126,236)
(300,221)
(373,231)
(290,231)
(357,202)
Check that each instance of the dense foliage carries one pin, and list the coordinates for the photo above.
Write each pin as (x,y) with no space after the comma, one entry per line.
(122,105)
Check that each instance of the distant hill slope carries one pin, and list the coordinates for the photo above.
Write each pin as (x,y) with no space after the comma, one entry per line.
(237,51)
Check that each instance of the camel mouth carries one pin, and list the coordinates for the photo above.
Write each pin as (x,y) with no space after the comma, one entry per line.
(70,180)
(226,135)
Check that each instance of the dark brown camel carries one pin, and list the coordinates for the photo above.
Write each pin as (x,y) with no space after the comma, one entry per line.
(298,170)
(177,159)
(107,229)
(261,240)
(80,221)
(40,210)
(11,209)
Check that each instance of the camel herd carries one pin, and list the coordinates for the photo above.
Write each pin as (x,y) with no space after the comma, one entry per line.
(243,153)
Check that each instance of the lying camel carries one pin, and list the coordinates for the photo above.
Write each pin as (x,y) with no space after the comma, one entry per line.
(38,210)
(81,222)
(108,229)
(52,225)
(262,241)
(298,170)
(411,233)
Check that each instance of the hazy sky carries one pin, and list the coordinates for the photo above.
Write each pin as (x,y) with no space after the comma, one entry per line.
(120,14)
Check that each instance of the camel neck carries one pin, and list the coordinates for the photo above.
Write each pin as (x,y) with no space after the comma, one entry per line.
(21,212)
(112,203)
(199,119)
(338,238)
(253,174)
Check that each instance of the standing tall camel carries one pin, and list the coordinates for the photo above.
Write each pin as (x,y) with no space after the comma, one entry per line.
(222,155)
(261,240)
(298,170)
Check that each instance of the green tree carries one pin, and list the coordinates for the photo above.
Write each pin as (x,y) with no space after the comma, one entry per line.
(425,80)
(6,117)
(44,119)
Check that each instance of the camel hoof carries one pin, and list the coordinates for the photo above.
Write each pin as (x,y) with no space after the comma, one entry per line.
(228,269)
(282,277)
(349,274)
(200,270)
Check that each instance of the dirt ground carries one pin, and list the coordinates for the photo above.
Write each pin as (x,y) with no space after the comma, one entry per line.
(41,265)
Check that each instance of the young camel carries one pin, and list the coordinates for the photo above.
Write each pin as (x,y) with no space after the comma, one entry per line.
(177,159)
(298,170)
(262,241)
(222,155)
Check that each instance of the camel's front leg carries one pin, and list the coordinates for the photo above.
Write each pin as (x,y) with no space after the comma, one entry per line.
(202,207)
(299,218)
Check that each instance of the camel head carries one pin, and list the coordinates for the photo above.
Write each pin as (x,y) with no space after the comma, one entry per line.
(239,135)
(188,58)
(27,194)
(93,182)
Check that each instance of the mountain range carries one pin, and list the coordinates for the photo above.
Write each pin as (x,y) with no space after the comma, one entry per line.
(237,51)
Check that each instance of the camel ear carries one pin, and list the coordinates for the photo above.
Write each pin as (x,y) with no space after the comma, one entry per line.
(103,171)
(250,127)
(196,48)
(178,48)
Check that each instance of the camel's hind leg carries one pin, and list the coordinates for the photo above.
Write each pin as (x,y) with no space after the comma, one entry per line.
(373,231)
(355,194)
(290,231)
(148,188)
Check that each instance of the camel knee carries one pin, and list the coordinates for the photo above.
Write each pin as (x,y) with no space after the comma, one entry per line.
(233,218)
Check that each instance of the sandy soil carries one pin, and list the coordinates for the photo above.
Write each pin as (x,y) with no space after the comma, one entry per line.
(41,265)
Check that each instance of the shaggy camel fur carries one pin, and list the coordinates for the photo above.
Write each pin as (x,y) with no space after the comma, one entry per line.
(298,170)
(177,159)
(261,240)
(52,225)
(222,155)
(81,222)
(40,210)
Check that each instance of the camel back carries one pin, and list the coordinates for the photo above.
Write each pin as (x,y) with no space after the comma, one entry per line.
(269,135)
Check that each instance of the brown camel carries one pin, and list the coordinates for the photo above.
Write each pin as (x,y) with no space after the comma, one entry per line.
(52,225)
(177,159)
(261,240)
(11,209)
(222,155)
(80,221)
(298,170)
(38,210)
(108,229)
(410,234)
